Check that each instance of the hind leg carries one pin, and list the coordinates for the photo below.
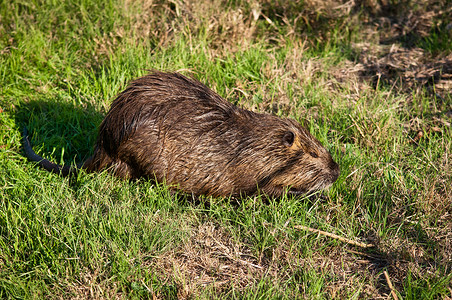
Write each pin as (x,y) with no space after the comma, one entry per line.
(123,170)
(101,161)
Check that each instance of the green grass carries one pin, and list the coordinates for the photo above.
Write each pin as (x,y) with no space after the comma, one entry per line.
(61,65)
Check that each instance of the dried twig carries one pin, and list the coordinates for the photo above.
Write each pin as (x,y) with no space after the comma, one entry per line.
(335,236)
(388,280)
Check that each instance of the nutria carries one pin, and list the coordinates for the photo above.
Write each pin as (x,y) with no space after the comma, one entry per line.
(174,129)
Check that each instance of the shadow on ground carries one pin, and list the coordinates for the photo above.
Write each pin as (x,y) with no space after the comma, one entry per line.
(59,130)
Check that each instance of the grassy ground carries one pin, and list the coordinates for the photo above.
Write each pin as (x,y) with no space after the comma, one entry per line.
(370,79)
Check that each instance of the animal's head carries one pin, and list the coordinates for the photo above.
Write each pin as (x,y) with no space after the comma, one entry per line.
(299,161)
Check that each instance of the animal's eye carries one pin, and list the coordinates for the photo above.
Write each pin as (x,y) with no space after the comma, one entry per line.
(288,138)
(313,154)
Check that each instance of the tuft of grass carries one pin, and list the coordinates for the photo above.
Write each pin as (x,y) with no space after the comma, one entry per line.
(370,81)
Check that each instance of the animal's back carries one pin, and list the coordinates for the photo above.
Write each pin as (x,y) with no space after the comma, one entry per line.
(171,128)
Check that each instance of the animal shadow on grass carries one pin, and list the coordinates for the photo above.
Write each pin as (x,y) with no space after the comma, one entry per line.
(59,131)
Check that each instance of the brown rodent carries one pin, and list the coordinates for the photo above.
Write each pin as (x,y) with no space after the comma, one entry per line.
(176,130)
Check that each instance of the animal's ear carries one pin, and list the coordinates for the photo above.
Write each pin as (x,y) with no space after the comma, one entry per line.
(288,138)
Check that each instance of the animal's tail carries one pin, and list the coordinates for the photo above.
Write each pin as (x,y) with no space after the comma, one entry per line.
(44,163)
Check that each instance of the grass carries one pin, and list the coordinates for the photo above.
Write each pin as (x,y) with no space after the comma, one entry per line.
(371,82)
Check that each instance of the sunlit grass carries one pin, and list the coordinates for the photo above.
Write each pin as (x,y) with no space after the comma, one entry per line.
(61,65)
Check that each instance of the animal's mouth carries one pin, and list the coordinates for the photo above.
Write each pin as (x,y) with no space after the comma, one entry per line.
(300,190)
(321,185)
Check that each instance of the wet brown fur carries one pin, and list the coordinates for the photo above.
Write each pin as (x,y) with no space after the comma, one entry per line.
(174,129)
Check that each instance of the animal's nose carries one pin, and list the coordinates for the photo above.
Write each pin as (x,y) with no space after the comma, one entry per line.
(334,167)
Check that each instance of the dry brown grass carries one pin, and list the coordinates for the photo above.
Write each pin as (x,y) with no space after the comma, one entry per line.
(212,258)
(209,257)
(230,28)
